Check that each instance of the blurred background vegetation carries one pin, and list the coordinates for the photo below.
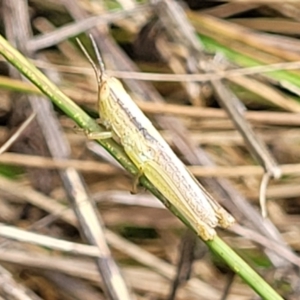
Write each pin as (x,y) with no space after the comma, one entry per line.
(231,114)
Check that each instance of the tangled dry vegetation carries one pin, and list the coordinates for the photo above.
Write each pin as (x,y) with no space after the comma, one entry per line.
(241,97)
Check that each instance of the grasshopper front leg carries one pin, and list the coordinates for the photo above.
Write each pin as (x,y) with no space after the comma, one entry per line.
(95,135)
(99,135)
(103,135)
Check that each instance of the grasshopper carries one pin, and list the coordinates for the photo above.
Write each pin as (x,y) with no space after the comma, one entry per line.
(152,156)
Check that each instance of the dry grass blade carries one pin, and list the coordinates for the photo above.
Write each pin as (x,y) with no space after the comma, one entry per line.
(15,136)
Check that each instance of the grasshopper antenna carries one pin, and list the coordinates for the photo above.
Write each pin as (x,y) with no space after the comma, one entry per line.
(98,55)
(96,70)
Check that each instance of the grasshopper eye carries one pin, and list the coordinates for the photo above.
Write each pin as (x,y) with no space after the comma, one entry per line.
(104,91)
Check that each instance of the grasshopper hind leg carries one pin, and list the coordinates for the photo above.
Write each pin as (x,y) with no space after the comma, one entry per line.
(205,231)
(136,155)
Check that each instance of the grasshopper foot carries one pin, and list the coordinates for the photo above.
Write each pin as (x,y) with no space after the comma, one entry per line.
(77,129)
(136,180)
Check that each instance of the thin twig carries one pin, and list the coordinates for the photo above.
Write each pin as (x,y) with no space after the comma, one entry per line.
(17,134)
